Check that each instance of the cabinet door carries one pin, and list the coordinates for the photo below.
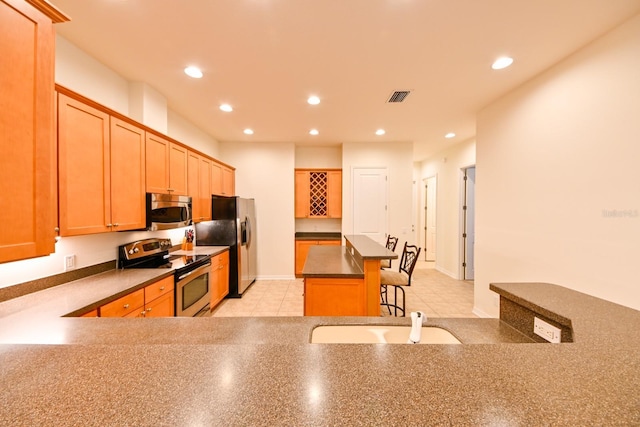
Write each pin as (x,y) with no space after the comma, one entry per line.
(216,178)
(302,250)
(193,185)
(204,193)
(219,282)
(27,147)
(228,181)
(83,168)
(302,194)
(334,194)
(157,164)
(177,169)
(127,176)
(159,288)
(160,307)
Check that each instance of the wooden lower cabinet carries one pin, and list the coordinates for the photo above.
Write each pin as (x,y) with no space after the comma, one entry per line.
(92,313)
(154,300)
(334,297)
(302,250)
(219,278)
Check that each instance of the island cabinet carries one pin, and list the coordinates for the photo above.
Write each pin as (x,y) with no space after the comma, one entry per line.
(28,206)
(166,166)
(101,164)
(318,193)
(154,300)
(344,281)
(222,180)
(219,278)
(199,186)
(302,249)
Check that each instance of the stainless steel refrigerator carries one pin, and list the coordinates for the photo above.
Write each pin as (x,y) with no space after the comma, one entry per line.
(233,224)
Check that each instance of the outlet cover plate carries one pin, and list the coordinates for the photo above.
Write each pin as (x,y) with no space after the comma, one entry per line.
(546,331)
(69,262)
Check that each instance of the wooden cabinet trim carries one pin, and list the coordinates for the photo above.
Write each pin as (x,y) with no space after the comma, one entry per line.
(55,14)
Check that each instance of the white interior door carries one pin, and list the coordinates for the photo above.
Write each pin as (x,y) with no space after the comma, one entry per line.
(430,218)
(470,231)
(369,193)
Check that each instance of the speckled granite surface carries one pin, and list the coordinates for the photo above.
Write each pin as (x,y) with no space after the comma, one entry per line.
(331,261)
(263,371)
(368,248)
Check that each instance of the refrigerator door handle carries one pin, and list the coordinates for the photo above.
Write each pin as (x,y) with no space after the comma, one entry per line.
(249,232)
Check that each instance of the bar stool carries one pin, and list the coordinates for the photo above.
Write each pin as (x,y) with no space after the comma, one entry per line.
(391,245)
(398,279)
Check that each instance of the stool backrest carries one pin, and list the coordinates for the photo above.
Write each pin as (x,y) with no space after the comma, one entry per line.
(409,259)
(392,242)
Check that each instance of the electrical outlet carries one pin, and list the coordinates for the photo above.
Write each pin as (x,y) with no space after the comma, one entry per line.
(546,331)
(69,262)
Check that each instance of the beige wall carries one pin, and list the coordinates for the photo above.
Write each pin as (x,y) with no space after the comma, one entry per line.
(447,166)
(265,173)
(558,187)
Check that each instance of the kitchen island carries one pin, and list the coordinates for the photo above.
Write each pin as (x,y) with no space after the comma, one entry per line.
(264,371)
(344,280)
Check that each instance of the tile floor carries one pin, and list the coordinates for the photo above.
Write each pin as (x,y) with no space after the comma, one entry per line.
(432,292)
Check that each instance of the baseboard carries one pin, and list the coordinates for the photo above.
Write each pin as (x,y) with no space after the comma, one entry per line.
(481,313)
(289,277)
(447,272)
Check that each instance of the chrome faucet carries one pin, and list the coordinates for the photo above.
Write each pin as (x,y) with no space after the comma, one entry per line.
(417,320)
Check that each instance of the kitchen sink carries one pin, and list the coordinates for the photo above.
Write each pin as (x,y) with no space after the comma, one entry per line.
(374,334)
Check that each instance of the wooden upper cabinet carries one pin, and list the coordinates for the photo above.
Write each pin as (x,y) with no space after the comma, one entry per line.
(83,162)
(216,178)
(157,164)
(334,194)
(101,171)
(318,193)
(177,169)
(27,148)
(205,170)
(193,184)
(228,181)
(302,194)
(128,208)
(166,166)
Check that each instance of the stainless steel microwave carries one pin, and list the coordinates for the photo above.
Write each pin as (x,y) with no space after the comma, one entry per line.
(167,211)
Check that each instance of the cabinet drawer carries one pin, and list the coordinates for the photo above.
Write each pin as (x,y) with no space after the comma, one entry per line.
(158,288)
(220,260)
(123,306)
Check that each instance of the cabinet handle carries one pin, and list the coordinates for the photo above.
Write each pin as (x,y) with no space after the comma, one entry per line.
(149,310)
(220,267)
(170,189)
(56,229)
(126,306)
(116,224)
(109,225)
(162,288)
(142,313)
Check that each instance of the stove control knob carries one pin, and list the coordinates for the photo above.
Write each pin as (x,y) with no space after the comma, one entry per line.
(136,250)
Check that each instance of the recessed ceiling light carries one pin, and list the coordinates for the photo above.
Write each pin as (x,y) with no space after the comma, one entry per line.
(248,131)
(380,132)
(314,132)
(194,72)
(313,100)
(226,107)
(450,135)
(502,62)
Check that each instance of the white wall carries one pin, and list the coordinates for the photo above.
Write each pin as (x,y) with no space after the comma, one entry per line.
(398,159)
(447,166)
(555,159)
(266,174)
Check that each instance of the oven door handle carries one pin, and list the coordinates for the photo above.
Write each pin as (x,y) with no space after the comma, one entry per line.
(194,271)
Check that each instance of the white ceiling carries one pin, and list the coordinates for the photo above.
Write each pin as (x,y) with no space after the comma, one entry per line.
(265,57)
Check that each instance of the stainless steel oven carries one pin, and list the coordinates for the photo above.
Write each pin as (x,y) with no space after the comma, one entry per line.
(191,272)
(192,290)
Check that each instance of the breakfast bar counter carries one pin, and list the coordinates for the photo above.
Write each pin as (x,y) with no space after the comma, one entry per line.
(265,372)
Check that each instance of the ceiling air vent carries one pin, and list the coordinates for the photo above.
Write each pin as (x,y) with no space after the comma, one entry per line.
(398,96)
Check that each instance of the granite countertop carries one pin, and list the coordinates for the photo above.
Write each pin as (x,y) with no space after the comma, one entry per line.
(331,261)
(83,295)
(318,235)
(367,248)
(264,371)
